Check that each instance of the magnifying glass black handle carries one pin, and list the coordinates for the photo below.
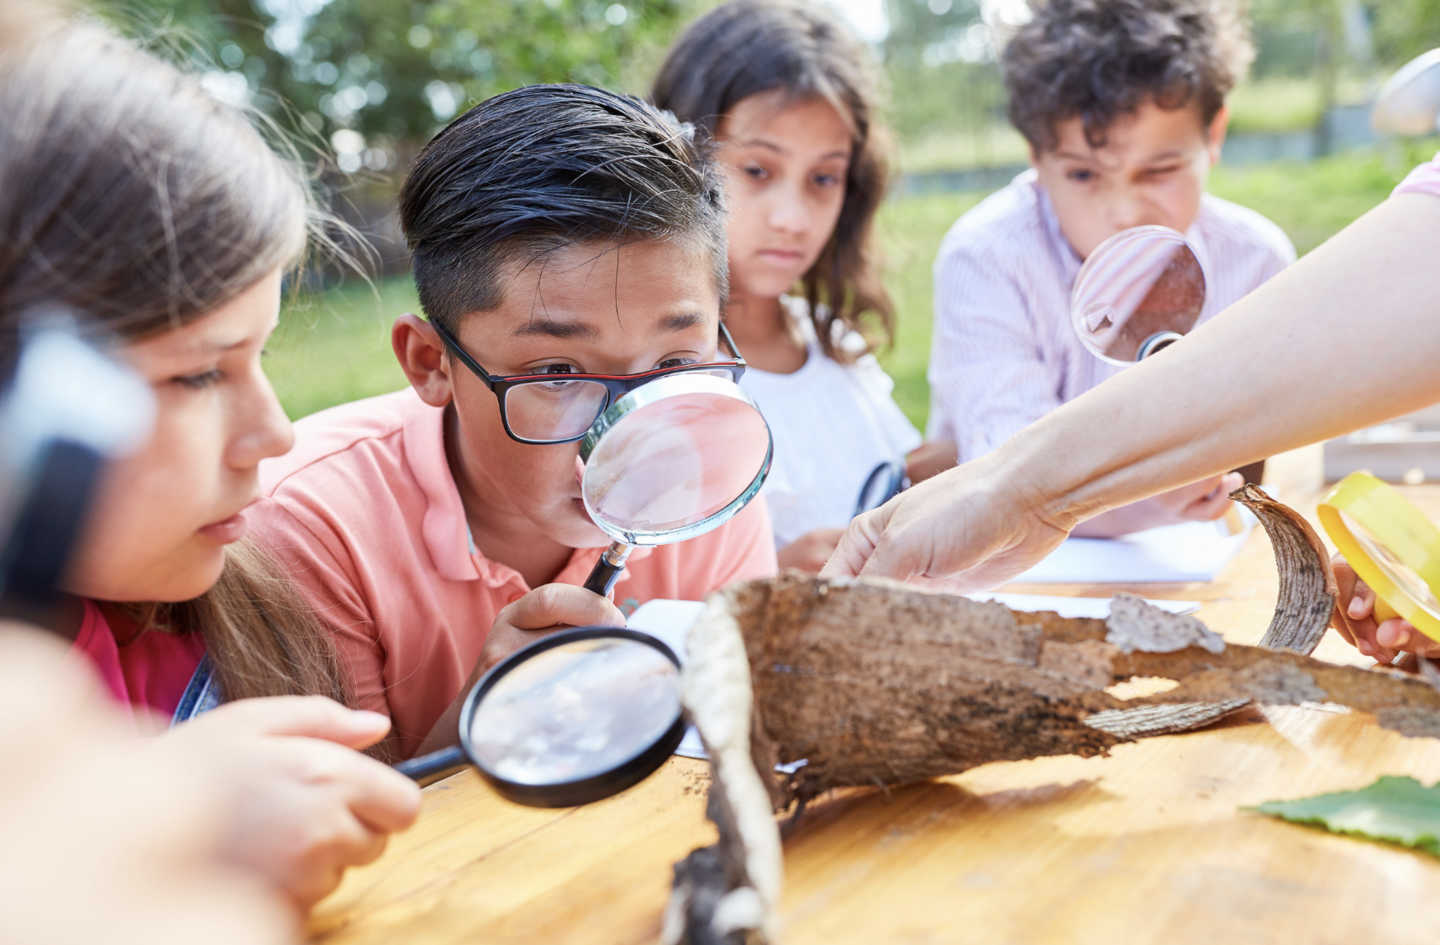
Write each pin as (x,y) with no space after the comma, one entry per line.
(607,570)
(424,766)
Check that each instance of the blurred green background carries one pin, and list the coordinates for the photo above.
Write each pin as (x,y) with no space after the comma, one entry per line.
(359,85)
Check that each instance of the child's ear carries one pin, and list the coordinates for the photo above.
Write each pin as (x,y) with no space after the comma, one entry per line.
(1215,134)
(422,357)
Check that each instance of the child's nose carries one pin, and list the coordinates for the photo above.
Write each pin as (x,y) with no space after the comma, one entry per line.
(1126,212)
(789,213)
(265,432)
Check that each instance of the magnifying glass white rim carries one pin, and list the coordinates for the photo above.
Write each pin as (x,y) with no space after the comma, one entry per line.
(645,395)
(1087,272)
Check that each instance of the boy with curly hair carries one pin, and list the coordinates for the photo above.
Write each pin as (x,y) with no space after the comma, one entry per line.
(1122,103)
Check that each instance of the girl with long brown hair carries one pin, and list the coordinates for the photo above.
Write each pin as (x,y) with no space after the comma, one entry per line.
(790,101)
(161,220)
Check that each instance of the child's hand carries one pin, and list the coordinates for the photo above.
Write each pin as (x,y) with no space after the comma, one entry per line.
(307,804)
(929,459)
(545,609)
(811,550)
(105,841)
(1201,501)
(1357,623)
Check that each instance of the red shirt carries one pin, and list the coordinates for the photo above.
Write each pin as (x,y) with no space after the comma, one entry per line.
(150,669)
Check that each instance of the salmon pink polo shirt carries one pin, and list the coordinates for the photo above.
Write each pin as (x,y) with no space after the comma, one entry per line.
(366,517)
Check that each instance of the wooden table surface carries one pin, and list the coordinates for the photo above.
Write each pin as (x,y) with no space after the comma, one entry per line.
(1149,844)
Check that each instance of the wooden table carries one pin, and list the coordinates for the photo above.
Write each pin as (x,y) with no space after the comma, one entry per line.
(1149,844)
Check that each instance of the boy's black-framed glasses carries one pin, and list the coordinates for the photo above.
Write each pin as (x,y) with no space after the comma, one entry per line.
(548,409)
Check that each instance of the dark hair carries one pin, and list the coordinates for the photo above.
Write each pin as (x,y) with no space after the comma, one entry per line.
(132,198)
(1100,59)
(747,47)
(546,166)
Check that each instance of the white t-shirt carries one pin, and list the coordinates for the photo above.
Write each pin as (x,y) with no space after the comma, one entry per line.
(832,424)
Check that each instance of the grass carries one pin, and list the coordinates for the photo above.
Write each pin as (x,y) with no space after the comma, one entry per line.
(1276,104)
(334,346)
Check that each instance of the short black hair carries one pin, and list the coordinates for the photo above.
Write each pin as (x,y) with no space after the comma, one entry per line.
(1100,59)
(548,166)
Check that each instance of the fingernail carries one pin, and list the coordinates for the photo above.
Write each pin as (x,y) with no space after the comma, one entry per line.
(1356,608)
(1365,648)
(370,719)
(1392,636)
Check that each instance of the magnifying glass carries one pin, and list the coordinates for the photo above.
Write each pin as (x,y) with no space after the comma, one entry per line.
(1391,545)
(574,717)
(668,461)
(885,482)
(1409,101)
(1139,291)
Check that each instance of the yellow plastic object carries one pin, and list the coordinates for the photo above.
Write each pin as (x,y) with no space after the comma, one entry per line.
(1391,545)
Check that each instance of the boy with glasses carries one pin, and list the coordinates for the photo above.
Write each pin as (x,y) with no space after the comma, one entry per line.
(568,246)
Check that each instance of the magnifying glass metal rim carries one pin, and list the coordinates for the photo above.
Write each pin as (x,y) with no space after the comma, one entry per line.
(565,793)
(1400,527)
(650,393)
(1155,342)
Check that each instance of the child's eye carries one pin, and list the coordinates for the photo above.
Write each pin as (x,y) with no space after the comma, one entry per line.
(1080,176)
(556,369)
(827,180)
(674,363)
(1160,171)
(198,381)
(755,172)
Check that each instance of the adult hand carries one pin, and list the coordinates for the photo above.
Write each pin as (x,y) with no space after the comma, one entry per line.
(962,530)
(1355,620)
(811,550)
(107,840)
(306,804)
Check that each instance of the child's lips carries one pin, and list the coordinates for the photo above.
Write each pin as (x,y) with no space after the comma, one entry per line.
(226,530)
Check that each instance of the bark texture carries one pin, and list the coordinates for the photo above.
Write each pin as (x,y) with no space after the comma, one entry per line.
(799,685)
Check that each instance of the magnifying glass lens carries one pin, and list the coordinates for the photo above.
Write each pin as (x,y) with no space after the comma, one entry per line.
(1403,575)
(575,711)
(673,463)
(1140,285)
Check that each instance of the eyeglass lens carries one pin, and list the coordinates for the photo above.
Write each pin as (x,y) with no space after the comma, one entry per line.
(562,409)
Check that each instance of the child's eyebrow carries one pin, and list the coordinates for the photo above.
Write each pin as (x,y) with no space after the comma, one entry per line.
(551,328)
(681,322)
(1169,155)
(772,146)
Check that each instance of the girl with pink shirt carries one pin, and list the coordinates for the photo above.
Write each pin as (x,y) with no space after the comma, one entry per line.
(161,219)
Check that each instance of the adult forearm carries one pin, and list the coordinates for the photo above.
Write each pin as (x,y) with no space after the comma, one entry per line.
(1348,336)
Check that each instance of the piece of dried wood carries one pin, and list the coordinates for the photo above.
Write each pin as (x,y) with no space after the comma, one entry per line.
(870,683)
(1308,593)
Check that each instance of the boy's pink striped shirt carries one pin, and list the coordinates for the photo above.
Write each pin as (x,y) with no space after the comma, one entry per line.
(1004,353)
(1425,179)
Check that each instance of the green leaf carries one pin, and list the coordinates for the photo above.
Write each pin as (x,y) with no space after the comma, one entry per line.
(1393,809)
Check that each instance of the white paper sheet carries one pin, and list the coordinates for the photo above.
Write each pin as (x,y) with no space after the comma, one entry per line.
(670,620)
(1193,551)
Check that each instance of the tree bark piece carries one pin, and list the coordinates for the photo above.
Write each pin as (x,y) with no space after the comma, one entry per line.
(870,683)
(1308,593)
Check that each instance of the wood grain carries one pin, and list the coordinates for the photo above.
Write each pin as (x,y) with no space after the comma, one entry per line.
(1147,845)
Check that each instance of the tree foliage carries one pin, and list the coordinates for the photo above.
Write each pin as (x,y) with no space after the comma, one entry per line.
(397,69)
